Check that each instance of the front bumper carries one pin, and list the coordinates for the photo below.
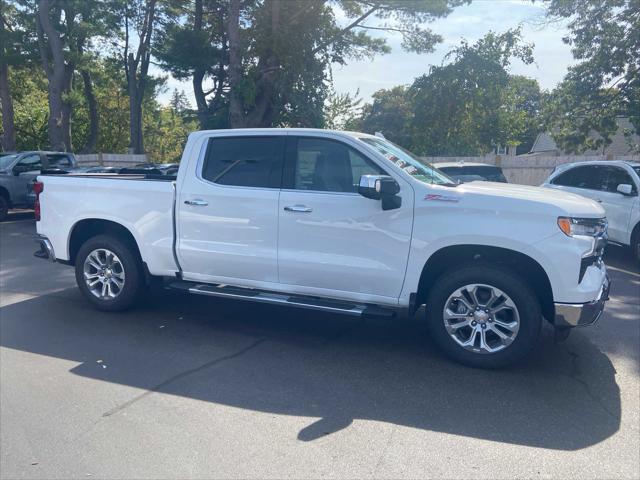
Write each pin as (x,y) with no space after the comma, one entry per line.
(46,251)
(582,314)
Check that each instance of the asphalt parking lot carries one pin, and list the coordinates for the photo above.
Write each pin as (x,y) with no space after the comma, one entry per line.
(194,387)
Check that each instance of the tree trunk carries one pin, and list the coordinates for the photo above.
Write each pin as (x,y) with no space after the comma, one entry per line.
(199,73)
(59,74)
(90,146)
(261,113)
(236,107)
(135,110)
(8,126)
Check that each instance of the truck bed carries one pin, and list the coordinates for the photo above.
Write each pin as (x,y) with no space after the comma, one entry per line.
(141,204)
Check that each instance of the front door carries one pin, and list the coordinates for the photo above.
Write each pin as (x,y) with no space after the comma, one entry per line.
(617,205)
(332,241)
(228,212)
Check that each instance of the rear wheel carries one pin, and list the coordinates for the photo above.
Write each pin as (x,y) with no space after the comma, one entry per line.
(483,316)
(108,273)
(4,208)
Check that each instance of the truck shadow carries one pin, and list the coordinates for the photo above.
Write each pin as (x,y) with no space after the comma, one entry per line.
(330,368)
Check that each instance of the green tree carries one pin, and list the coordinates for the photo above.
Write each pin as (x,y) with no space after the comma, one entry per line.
(605,39)
(341,110)
(268,61)
(459,108)
(390,112)
(194,46)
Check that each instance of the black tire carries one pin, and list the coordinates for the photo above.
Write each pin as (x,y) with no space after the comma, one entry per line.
(131,265)
(522,295)
(635,245)
(4,208)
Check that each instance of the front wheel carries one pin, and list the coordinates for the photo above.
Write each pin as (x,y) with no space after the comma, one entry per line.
(108,273)
(483,316)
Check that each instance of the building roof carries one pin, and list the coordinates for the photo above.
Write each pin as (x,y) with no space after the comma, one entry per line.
(620,144)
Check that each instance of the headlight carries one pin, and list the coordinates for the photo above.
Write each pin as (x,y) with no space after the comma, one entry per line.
(587,227)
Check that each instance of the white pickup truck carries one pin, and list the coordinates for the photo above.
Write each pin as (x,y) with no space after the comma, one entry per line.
(340,222)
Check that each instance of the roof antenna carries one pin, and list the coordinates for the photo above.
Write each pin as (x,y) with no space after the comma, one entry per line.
(380,135)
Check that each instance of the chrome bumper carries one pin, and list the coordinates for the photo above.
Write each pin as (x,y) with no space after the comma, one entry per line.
(46,249)
(582,314)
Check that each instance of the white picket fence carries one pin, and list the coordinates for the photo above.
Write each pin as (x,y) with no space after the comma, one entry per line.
(529,170)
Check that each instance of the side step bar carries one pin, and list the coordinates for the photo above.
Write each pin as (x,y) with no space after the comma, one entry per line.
(299,301)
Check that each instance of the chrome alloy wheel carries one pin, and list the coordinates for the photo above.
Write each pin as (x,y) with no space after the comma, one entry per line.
(104,274)
(481,318)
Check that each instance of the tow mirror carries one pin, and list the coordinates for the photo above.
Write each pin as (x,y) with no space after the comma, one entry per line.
(381,187)
(625,189)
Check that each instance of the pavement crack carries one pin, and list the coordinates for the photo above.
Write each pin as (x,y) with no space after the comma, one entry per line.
(180,376)
(574,375)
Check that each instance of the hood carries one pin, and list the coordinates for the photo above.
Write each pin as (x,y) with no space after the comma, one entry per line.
(563,203)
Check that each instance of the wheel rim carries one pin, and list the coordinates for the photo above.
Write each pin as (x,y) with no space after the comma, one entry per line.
(481,318)
(104,274)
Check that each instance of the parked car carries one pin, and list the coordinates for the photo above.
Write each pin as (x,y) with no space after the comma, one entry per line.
(613,184)
(337,222)
(468,172)
(19,170)
(162,168)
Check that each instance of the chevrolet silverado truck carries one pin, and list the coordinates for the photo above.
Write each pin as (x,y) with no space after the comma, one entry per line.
(340,222)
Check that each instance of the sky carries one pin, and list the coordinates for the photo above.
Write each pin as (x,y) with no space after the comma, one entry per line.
(470,22)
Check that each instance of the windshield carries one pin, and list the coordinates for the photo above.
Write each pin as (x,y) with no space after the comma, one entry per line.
(491,173)
(414,166)
(637,169)
(7,160)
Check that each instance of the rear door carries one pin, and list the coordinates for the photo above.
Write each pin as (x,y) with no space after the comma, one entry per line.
(228,212)
(333,241)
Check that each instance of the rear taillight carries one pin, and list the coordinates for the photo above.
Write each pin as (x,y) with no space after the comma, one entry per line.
(38,187)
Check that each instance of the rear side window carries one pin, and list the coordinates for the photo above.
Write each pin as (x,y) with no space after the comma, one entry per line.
(58,160)
(245,161)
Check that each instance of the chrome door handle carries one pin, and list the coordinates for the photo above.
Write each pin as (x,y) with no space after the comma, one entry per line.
(298,208)
(197,202)
(598,200)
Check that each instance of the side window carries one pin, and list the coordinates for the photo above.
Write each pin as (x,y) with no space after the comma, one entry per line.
(580,177)
(59,161)
(614,176)
(245,161)
(329,166)
(30,163)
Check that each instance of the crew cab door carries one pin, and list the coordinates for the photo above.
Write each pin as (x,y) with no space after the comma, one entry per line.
(227,213)
(333,241)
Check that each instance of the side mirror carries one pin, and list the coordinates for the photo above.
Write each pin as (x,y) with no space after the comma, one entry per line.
(380,187)
(625,189)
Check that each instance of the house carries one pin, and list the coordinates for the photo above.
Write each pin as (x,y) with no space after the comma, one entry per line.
(621,144)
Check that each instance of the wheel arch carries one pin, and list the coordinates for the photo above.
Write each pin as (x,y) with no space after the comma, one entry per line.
(525,266)
(88,228)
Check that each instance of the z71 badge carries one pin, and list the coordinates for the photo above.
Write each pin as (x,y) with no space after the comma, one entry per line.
(441,198)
